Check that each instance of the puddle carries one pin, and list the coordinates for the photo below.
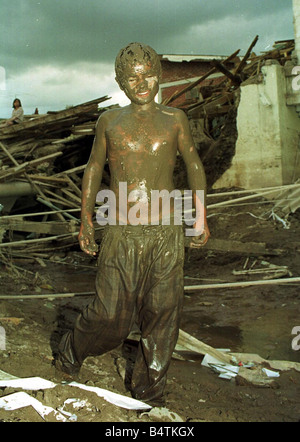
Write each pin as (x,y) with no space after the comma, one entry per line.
(271,336)
(264,331)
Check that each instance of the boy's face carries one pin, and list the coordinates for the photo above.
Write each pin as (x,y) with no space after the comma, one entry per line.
(140,82)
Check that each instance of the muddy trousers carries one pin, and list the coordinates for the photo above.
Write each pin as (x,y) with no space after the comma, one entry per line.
(139,281)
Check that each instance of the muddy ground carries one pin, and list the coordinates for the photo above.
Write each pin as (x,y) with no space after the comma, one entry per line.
(256,319)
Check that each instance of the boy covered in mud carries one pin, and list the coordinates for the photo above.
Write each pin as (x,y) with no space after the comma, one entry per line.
(140,276)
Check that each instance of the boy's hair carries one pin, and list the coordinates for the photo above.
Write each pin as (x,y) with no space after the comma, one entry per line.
(135,53)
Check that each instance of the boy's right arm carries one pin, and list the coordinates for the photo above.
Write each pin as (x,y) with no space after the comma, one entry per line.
(90,186)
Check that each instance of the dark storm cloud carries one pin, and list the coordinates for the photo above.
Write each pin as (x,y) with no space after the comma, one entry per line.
(68,31)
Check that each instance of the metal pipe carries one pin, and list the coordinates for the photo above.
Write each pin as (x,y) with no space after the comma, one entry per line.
(16,189)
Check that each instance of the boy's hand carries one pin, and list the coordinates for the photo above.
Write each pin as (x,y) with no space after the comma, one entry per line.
(201,239)
(86,239)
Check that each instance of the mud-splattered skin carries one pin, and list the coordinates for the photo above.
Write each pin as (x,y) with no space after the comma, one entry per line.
(141,150)
(141,142)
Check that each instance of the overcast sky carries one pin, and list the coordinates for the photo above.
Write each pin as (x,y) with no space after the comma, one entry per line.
(56,53)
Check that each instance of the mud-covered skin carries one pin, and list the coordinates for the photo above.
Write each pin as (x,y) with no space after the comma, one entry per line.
(140,277)
(141,142)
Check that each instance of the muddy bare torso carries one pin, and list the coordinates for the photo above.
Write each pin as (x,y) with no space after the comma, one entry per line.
(141,151)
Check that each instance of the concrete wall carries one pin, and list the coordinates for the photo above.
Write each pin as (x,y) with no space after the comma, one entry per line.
(267,148)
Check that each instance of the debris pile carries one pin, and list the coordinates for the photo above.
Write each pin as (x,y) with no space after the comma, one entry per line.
(42,162)
(43,159)
(215,110)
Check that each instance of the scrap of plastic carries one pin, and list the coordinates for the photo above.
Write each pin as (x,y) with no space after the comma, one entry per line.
(271,373)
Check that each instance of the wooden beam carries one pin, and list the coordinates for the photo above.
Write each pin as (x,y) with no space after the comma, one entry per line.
(46,227)
(192,288)
(245,58)
(238,247)
(188,342)
(26,165)
(31,182)
(235,79)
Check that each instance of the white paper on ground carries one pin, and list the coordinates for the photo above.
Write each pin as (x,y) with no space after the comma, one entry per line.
(34,383)
(18,400)
(114,398)
(226,371)
(77,403)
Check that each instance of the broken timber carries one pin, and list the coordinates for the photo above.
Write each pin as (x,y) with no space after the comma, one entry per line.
(192,288)
(230,246)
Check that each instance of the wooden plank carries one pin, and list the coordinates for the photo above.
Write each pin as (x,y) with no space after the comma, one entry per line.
(74,186)
(238,247)
(33,184)
(33,214)
(28,242)
(238,200)
(243,62)
(190,343)
(235,79)
(257,190)
(71,195)
(24,166)
(224,285)
(48,227)
(73,170)
(50,179)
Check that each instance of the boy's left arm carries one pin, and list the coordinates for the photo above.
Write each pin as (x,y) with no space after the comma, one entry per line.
(196,179)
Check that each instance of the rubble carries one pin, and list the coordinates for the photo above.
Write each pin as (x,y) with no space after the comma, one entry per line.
(43,159)
(42,162)
(215,110)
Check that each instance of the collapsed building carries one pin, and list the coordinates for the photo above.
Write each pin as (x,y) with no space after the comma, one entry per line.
(243,114)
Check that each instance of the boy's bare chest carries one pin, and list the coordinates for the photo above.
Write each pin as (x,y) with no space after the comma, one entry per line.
(141,136)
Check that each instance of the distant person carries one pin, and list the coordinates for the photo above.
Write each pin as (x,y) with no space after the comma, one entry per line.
(17,114)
